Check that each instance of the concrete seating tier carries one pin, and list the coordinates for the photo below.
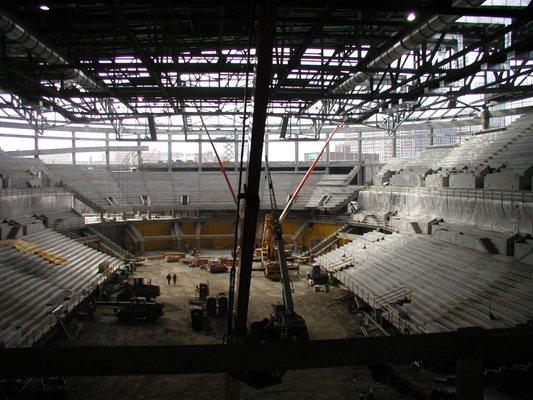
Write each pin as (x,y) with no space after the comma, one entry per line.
(498,159)
(63,219)
(412,171)
(34,292)
(20,173)
(450,286)
(333,191)
(162,191)
(94,186)
(343,256)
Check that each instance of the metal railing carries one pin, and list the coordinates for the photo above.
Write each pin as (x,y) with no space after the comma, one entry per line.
(30,338)
(369,298)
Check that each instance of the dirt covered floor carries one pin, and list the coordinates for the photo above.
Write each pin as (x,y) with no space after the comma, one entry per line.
(325,318)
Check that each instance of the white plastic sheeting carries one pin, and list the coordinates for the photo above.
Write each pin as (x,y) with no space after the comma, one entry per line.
(496,215)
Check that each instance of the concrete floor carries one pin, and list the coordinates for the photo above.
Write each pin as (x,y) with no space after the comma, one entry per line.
(325,319)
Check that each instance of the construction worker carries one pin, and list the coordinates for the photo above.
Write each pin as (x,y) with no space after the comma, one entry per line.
(174,278)
(168,279)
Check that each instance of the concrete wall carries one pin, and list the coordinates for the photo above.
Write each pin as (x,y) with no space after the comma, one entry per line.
(34,204)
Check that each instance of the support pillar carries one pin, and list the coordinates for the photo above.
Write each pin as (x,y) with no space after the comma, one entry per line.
(139,153)
(169,157)
(267,31)
(485,118)
(394,143)
(198,244)
(200,151)
(327,159)
(36,144)
(73,147)
(107,154)
(469,369)
(267,147)
(360,174)
(296,148)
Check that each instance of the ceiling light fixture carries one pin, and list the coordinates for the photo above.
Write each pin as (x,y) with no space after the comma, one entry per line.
(411,17)
(44,7)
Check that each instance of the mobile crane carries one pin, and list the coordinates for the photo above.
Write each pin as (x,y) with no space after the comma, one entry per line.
(284,322)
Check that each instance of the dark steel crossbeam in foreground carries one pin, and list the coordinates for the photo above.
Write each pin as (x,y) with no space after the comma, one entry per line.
(472,343)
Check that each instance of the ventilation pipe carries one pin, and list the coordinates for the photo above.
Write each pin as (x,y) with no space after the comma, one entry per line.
(37,47)
(434,25)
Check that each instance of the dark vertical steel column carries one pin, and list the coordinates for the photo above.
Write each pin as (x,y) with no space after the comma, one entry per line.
(267,32)
(469,369)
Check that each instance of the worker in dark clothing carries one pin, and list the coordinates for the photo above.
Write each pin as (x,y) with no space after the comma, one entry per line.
(174,278)
(168,279)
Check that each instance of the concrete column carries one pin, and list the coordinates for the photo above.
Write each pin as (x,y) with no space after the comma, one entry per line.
(107,154)
(327,158)
(266,146)
(296,148)
(200,151)
(36,144)
(360,175)
(431,137)
(485,118)
(198,235)
(139,153)
(74,147)
(236,152)
(169,157)
(394,142)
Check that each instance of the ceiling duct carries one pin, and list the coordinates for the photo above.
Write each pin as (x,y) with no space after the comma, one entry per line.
(427,29)
(17,33)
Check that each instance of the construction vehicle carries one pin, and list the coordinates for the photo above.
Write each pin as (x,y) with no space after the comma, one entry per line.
(52,388)
(138,288)
(139,308)
(284,323)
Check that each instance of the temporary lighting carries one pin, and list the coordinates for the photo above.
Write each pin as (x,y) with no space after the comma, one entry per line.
(44,7)
(411,17)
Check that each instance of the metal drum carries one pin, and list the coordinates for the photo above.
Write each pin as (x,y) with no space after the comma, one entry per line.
(222,304)
(203,291)
(196,318)
(211,306)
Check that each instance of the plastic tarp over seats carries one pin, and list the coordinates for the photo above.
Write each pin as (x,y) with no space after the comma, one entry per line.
(496,215)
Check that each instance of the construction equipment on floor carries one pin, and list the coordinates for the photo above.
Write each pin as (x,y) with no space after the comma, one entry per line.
(284,323)
(138,288)
(216,266)
(139,308)
(52,388)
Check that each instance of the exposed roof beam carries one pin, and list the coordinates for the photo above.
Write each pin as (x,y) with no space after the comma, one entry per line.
(147,61)
(15,31)
(297,55)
